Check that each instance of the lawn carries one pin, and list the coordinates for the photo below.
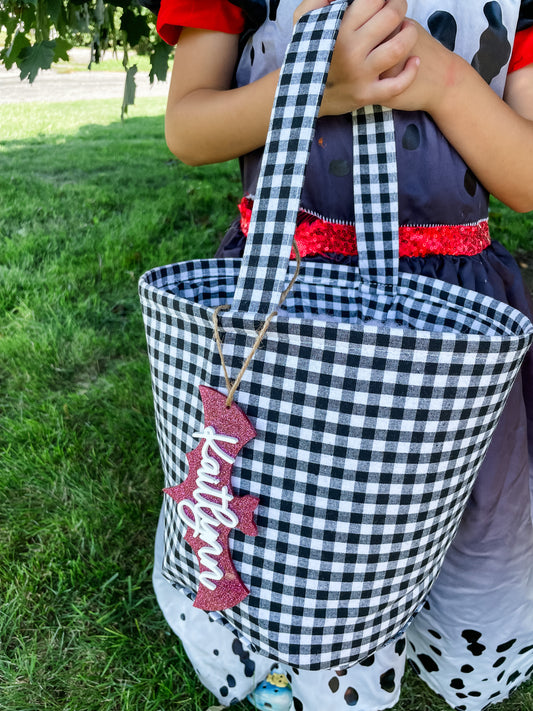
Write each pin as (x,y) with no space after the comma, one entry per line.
(87,204)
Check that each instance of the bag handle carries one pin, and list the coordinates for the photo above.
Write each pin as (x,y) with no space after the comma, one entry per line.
(375,180)
(266,258)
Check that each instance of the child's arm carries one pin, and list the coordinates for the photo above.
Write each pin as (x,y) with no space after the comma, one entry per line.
(207,122)
(519,91)
(379,58)
(495,138)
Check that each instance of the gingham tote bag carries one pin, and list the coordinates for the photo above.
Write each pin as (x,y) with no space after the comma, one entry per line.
(373,395)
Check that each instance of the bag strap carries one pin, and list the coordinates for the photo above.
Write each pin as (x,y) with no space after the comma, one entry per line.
(375,179)
(266,258)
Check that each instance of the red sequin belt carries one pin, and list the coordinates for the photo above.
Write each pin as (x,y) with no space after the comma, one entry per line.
(314,235)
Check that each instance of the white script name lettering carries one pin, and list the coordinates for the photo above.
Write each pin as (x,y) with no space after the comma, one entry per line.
(205,515)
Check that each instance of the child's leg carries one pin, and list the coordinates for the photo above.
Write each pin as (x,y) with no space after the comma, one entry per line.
(218,658)
(473,642)
(372,685)
(232,673)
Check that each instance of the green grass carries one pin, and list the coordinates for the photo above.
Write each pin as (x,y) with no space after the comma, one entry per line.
(514,230)
(87,204)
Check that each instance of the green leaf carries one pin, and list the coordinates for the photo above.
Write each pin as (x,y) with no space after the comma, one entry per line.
(12,54)
(159,62)
(10,22)
(28,17)
(61,49)
(129,90)
(31,59)
(135,26)
(53,8)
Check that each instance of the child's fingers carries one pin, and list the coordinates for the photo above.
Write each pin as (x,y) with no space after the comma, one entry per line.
(360,11)
(307,6)
(374,38)
(389,88)
(377,18)
(383,24)
(389,57)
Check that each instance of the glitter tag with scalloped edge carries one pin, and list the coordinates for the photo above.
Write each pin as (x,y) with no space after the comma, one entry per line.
(207,505)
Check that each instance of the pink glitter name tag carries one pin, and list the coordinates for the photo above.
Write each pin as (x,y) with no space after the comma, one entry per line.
(207,505)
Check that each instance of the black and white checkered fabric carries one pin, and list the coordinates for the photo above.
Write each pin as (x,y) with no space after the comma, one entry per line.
(376,178)
(374,395)
(291,130)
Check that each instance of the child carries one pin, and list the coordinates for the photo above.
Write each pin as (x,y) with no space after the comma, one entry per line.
(442,66)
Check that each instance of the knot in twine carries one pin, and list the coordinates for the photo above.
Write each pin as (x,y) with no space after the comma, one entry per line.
(232,387)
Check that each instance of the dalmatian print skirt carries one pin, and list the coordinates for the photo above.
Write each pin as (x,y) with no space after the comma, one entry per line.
(472,643)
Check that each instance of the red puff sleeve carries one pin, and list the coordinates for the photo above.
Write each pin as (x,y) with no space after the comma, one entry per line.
(218,15)
(522,50)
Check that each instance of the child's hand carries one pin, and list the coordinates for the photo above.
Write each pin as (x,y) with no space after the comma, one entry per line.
(307,6)
(373,59)
(437,70)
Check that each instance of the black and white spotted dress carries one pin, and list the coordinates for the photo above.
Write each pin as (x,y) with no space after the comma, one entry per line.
(473,641)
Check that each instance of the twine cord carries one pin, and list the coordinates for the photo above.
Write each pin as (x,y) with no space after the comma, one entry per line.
(232,387)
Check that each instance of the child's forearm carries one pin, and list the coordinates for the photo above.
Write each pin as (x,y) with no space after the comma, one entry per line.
(494,140)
